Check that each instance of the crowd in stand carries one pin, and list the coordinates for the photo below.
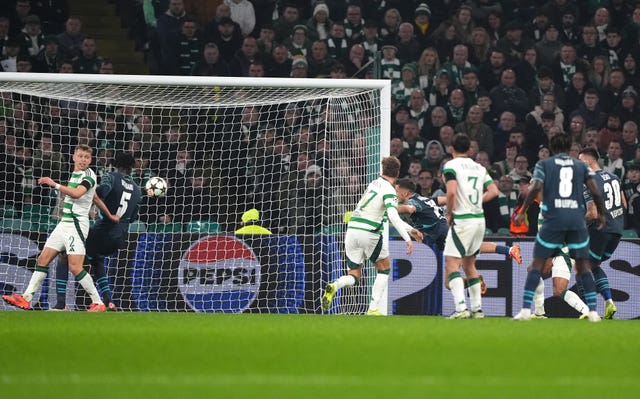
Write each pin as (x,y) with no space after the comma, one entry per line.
(510,74)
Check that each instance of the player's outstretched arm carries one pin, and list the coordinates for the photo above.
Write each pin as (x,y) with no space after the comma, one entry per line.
(74,192)
(105,211)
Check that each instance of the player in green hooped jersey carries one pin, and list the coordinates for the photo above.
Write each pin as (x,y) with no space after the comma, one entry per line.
(69,235)
(363,240)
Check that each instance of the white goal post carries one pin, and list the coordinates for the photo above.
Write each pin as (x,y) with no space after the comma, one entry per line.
(300,151)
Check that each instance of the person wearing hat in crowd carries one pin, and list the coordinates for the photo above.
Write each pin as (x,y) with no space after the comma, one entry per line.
(628,107)
(370,40)
(31,38)
(536,28)
(422,28)
(408,83)
(440,90)
(228,38)
(549,47)
(390,64)
(49,58)
(298,43)
(299,68)
(250,224)
(319,24)
(513,43)
(543,85)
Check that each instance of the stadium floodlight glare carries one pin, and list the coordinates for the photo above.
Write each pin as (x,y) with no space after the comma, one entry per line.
(300,151)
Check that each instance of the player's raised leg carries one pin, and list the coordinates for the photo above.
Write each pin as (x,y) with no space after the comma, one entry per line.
(511,251)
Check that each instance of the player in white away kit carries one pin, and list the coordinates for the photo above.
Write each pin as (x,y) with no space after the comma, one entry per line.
(466,182)
(364,236)
(69,235)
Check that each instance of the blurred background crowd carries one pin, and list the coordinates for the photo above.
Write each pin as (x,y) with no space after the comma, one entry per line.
(510,74)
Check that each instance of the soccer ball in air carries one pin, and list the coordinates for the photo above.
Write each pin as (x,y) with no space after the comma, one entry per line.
(156,187)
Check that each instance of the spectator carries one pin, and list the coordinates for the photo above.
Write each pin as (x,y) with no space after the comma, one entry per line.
(567,65)
(614,47)
(509,97)
(498,211)
(23,64)
(409,83)
(299,68)
(418,107)
(629,142)
(211,64)
(513,44)
(628,109)
(611,131)
(456,107)
(549,47)
(521,169)
(397,150)
(590,110)
(337,43)
(390,24)
(505,165)
(611,94)
(463,23)
(408,47)
(476,129)
(9,62)
(590,46)
(601,21)
(543,85)
(433,157)
(370,40)
(534,118)
(228,39)
(320,63)
(283,26)
(248,53)
(426,183)
(186,48)
(19,17)
(613,161)
(437,119)
(479,46)
(632,193)
(168,27)
(66,66)
(422,26)
(49,57)
(319,24)
(428,65)
(256,69)
(458,64)
(243,14)
(265,41)
(4,34)
(279,64)
(445,137)
(630,68)
(491,71)
(527,68)
(411,141)
(298,44)
(353,23)
(569,30)
(71,39)
(599,75)
(390,64)
(53,14)
(88,61)
(31,38)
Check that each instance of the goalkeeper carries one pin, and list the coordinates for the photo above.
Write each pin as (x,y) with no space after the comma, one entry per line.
(364,236)
(122,196)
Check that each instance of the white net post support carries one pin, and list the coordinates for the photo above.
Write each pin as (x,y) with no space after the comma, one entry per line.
(225,145)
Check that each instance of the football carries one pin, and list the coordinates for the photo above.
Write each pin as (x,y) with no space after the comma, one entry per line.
(156,187)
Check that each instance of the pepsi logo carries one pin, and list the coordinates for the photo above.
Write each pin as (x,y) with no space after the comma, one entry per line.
(219,274)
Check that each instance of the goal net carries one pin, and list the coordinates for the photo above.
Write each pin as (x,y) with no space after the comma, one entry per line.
(299,151)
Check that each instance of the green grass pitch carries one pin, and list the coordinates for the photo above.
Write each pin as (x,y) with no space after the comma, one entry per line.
(156,355)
